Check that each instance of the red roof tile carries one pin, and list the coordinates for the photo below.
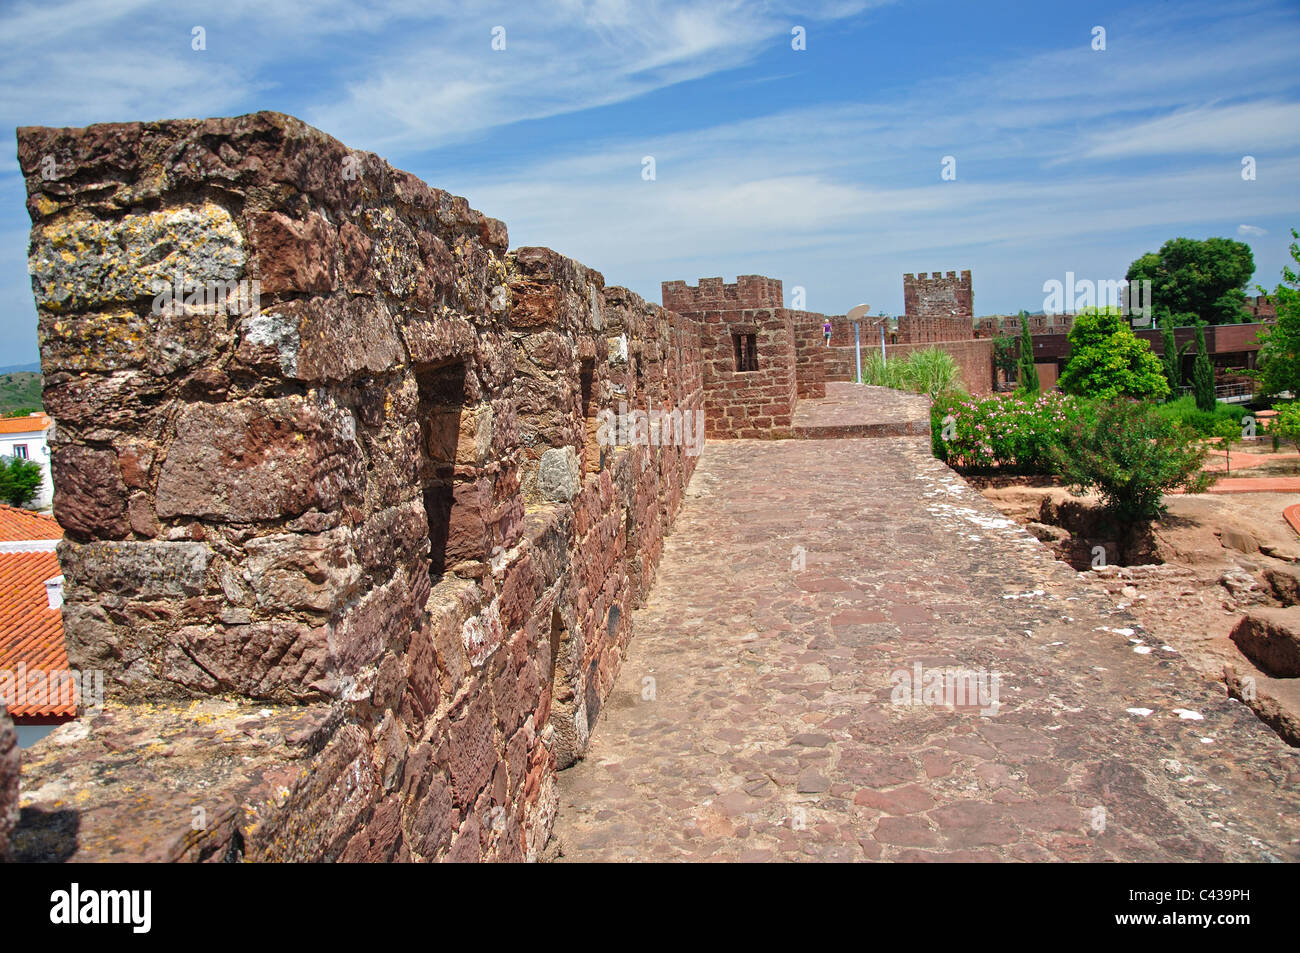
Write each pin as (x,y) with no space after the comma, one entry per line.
(28,424)
(32,633)
(23,525)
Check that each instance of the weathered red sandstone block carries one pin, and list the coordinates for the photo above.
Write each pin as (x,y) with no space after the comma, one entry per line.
(312,572)
(429,817)
(293,255)
(386,615)
(550,290)
(433,340)
(100,406)
(89,495)
(471,748)
(154,570)
(381,839)
(278,661)
(326,807)
(355,273)
(518,592)
(394,535)
(340,338)
(259,459)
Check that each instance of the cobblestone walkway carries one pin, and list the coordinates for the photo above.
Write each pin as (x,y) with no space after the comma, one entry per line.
(856,410)
(753,719)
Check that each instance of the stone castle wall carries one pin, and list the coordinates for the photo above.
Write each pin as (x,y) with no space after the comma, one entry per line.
(1009,324)
(741,321)
(809,354)
(347,529)
(367,494)
(937,307)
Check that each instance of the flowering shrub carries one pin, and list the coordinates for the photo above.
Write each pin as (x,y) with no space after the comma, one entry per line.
(1132,455)
(1012,433)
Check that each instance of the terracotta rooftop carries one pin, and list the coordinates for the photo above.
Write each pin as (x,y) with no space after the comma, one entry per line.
(28,424)
(17,525)
(30,632)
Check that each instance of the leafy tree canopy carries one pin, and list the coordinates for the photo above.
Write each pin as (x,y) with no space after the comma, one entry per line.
(1279,355)
(1108,360)
(20,480)
(1206,278)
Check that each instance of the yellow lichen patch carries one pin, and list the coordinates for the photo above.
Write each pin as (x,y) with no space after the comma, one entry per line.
(80,262)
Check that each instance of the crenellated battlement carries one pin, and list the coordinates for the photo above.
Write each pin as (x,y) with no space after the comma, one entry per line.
(937,307)
(748,291)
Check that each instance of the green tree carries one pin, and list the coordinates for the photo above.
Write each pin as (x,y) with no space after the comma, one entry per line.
(1131,455)
(1229,432)
(1279,351)
(1287,423)
(1203,373)
(19,480)
(1004,355)
(1108,360)
(1027,373)
(1206,278)
(1171,356)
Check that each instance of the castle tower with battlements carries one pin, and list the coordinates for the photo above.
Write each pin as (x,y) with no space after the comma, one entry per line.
(759,356)
(937,307)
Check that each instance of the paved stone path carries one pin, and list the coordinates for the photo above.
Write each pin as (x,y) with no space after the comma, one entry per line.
(1257,485)
(1244,461)
(753,719)
(857,410)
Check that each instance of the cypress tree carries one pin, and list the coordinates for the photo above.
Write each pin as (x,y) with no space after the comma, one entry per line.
(1171,356)
(1203,372)
(1025,369)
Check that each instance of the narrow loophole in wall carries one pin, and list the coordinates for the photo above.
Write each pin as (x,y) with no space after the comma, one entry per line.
(593,693)
(611,621)
(586,383)
(593,453)
(557,637)
(441,404)
(746,351)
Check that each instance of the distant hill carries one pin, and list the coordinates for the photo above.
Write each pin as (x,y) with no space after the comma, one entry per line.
(16,368)
(20,391)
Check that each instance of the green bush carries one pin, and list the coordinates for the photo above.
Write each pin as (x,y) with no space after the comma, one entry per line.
(1279,352)
(1107,360)
(20,480)
(1010,433)
(1131,455)
(932,372)
(881,373)
(1287,423)
(1185,413)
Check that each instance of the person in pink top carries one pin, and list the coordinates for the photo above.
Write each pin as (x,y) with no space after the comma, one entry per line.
(826,331)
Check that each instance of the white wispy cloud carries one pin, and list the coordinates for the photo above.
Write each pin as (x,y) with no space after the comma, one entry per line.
(1236,129)
(1068,159)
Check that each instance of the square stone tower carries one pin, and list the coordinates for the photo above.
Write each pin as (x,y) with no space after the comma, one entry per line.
(937,307)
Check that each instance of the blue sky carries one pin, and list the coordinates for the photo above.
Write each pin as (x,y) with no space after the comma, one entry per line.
(820,166)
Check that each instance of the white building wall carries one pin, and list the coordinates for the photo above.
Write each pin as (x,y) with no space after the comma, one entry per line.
(38,451)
